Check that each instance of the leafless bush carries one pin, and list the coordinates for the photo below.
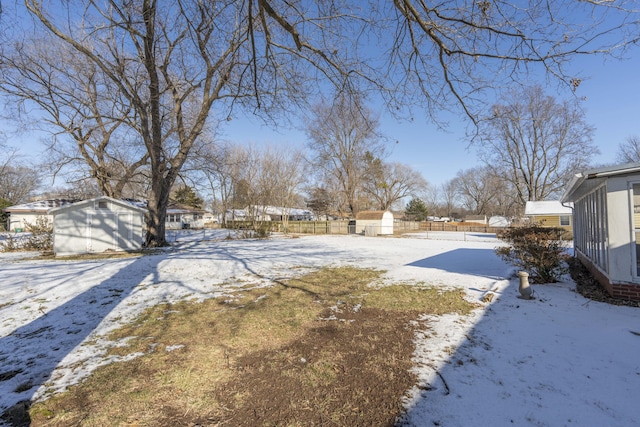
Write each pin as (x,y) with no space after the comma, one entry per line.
(538,250)
(39,237)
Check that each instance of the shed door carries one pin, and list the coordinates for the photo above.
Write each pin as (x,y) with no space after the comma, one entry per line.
(125,237)
(102,230)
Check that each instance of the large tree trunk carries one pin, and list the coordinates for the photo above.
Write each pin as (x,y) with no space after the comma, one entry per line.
(156,221)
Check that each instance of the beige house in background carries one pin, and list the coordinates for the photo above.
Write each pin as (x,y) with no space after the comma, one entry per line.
(550,213)
(28,213)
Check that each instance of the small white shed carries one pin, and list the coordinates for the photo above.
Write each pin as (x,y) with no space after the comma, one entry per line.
(374,223)
(97,225)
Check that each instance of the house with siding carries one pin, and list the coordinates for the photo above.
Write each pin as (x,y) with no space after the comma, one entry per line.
(606,223)
(178,216)
(20,216)
(550,213)
(182,216)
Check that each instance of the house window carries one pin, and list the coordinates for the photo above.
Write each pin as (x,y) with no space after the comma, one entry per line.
(565,220)
(102,204)
(173,218)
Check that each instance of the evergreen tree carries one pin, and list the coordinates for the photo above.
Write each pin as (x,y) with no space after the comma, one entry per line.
(185,195)
(416,210)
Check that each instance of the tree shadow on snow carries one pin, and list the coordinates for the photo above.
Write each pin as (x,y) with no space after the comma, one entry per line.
(30,354)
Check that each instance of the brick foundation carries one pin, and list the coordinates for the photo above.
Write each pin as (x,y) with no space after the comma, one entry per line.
(625,291)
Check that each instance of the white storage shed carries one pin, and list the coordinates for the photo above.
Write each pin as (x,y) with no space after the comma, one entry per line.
(374,223)
(97,225)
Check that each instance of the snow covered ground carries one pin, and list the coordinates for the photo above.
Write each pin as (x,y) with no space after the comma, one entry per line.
(558,360)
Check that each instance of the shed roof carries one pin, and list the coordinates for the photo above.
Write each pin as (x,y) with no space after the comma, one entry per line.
(122,203)
(548,207)
(372,215)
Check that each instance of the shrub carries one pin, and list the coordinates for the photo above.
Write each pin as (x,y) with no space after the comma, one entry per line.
(38,237)
(538,250)
(9,244)
(41,238)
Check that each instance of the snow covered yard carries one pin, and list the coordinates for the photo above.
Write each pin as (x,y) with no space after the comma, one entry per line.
(557,360)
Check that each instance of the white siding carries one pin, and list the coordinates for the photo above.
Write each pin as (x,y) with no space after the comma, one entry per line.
(383,226)
(95,226)
(21,219)
(619,222)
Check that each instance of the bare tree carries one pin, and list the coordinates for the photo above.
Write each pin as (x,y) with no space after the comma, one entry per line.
(287,169)
(479,189)
(536,143)
(78,191)
(211,168)
(167,63)
(448,198)
(505,203)
(266,176)
(90,134)
(431,198)
(450,53)
(388,183)
(340,136)
(629,150)
(17,181)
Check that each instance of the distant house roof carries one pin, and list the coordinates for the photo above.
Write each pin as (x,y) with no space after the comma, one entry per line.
(282,211)
(499,221)
(476,218)
(548,207)
(40,206)
(176,208)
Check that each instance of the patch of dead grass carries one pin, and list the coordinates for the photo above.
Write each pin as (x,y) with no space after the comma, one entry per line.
(262,356)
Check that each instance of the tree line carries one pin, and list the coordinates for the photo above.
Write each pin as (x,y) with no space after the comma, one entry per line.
(340,173)
(133,86)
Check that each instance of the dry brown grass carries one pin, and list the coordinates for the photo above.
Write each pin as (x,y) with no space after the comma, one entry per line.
(328,347)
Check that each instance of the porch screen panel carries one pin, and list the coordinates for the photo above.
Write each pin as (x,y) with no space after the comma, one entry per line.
(601,197)
(591,227)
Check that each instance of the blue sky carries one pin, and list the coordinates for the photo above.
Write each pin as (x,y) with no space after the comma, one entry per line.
(611,89)
(612,105)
